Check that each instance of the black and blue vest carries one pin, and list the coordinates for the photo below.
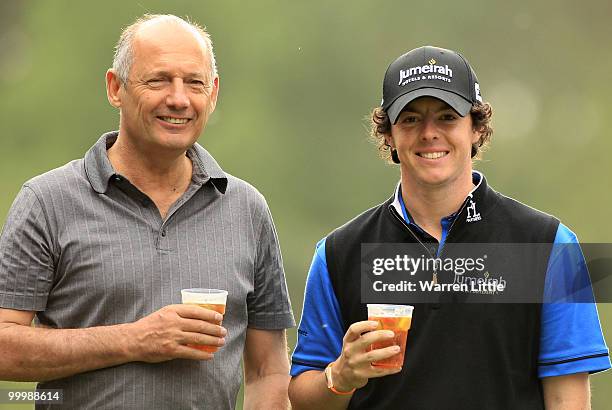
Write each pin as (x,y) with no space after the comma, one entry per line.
(458,355)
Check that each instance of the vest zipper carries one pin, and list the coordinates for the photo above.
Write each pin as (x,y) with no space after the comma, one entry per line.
(435,273)
(453,223)
(399,218)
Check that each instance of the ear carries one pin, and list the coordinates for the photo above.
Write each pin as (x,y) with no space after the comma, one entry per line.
(113,86)
(389,140)
(475,136)
(214,94)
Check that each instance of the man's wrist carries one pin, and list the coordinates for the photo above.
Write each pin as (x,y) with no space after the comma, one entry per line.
(127,342)
(335,382)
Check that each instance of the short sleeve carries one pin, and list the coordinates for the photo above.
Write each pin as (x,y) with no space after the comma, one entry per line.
(321,331)
(269,306)
(571,339)
(26,255)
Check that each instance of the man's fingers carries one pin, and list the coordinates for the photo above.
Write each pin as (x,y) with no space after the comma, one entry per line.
(201,339)
(197,312)
(201,326)
(375,336)
(363,359)
(186,352)
(381,354)
(355,331)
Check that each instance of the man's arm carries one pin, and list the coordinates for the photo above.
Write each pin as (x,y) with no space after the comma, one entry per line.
(40,354)
(351,370)
(569,392)
(309,391)
(266,370)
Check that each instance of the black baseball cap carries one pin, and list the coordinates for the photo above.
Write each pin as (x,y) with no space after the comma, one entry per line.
(430,71)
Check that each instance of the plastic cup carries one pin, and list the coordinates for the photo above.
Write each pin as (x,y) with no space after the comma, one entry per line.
(213,299)
(396,318)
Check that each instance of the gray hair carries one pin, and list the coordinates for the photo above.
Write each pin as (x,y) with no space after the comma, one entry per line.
(124,53)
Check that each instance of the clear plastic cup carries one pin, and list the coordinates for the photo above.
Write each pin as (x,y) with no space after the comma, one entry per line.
(396,318)
(213,299)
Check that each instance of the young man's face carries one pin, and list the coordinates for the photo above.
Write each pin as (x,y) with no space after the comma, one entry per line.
(171,91)
(433,142)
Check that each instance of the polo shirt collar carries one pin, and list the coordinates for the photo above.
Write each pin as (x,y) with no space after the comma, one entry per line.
(475,194)
(207,167)
(97,165)
(99,169)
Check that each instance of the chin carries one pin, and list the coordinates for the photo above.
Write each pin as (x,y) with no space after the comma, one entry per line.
(177,141)
(434,179)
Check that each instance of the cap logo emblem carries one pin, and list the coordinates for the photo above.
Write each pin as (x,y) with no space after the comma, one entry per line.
(477,92)
(426,72)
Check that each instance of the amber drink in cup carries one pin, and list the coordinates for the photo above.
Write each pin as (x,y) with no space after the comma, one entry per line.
(213,299)
(396,318)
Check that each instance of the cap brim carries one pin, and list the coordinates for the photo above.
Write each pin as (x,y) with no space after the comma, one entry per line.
(457,103)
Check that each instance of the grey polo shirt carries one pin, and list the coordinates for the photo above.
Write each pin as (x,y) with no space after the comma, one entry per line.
(84,247)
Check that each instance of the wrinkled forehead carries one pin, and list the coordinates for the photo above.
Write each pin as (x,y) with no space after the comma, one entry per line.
(167,45)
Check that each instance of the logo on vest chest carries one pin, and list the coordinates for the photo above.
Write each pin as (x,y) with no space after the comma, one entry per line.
(485,284)
(472,215)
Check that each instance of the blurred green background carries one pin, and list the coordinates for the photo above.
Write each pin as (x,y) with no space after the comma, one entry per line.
(297,81)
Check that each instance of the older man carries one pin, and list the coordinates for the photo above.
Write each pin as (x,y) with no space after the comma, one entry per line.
(99,249)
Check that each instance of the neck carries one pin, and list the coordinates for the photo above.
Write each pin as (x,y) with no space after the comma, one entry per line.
(150,172)
(429,204)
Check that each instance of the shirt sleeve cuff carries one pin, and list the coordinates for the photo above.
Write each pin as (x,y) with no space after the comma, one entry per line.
(271,321)
(28,303)
(594,363)
(299,367)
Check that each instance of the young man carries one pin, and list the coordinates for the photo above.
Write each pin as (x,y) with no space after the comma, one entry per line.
(99,250)
(433,122)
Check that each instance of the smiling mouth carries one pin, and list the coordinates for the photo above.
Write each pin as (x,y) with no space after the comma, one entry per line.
(173,120)
(432,155)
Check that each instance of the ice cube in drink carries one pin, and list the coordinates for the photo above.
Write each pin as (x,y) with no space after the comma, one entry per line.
(396,318)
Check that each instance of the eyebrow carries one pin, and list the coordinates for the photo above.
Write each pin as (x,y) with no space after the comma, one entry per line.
(169,74)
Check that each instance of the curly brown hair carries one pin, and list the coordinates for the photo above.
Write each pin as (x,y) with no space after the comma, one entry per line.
(481,114)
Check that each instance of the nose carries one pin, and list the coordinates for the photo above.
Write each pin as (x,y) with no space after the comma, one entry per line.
(177,97)
(428,129)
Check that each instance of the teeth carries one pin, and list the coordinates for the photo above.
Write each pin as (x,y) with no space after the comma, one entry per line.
(432,155)
(174,120)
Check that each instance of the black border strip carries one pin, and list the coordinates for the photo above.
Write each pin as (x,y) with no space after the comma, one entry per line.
(574,359)
(308,364)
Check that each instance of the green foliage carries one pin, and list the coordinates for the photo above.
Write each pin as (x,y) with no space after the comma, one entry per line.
(297,80)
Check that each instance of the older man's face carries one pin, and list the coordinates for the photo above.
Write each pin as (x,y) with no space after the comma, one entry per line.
(171,90)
